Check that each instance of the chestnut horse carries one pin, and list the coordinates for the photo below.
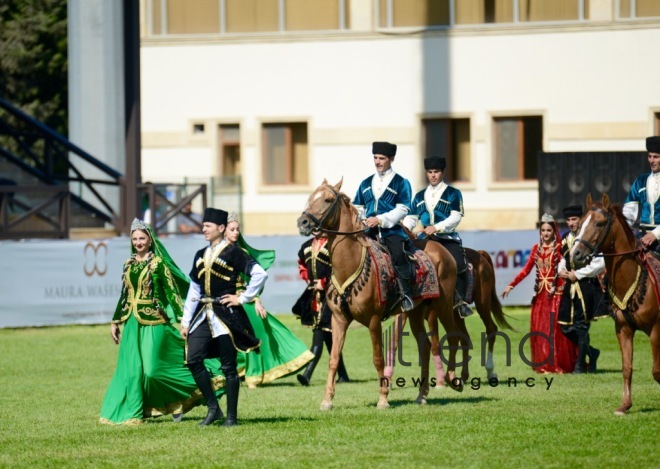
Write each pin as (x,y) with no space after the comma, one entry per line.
(632,292)
(487,304)
(330,212)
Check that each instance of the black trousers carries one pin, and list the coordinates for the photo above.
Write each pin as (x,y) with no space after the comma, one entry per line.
(456,250)
(202,345)
(395,245)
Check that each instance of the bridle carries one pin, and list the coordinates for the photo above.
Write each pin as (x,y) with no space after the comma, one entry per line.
(332,211)
(596,249)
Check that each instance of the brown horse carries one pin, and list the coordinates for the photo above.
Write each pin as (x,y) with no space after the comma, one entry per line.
(603,229)
(353,292)
(487,304)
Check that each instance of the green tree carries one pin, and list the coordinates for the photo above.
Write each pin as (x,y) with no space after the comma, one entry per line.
(33,59)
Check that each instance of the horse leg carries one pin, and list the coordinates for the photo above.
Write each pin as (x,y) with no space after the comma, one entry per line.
(449,322)
(375,330)
(423,349)
(625,337)
(464,340)
(655,350)
(432,319)
(491,331)
(339,327)
(390,348)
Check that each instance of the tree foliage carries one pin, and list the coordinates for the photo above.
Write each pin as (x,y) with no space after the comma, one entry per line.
(33,59)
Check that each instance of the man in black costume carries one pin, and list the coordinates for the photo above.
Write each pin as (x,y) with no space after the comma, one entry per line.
(214,322)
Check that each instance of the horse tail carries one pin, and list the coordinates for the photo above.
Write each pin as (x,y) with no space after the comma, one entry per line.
(496,306)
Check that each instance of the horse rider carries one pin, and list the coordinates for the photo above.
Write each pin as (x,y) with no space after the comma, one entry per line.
(439,208)
(383,200)
(645,194)
(583,299)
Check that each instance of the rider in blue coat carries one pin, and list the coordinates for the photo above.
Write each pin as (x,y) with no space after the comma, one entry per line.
(439,208)
(383,200)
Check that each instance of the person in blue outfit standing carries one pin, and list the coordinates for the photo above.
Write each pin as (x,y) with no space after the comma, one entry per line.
(644,198)
(439,208)
(383,201)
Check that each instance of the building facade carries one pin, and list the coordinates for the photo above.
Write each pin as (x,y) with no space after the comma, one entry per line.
(281,94)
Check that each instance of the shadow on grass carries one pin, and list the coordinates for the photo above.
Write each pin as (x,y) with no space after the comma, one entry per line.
(320,384)
(188,420)
(442,400)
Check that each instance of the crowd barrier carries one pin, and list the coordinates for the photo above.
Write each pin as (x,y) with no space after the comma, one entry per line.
(58,282)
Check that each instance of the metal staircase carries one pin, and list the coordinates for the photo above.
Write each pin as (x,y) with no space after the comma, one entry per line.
(48,185)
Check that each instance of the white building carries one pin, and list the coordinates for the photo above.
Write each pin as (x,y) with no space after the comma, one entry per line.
(286,93)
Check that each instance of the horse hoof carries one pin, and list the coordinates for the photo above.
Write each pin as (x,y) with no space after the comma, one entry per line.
(326,405)
(456,384)
(420,401)
(622,410)
(383,405)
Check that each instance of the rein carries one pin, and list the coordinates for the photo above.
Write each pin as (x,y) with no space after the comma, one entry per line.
(597,247)
(318,224)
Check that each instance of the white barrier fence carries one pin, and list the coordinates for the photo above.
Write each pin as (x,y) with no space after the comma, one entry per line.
(57,282)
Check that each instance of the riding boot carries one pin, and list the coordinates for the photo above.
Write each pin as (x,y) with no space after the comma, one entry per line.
(341,371)
(203,382)
(231,389)
(403,274)
(317,350)
(583,350)
(594,353)
(460,305)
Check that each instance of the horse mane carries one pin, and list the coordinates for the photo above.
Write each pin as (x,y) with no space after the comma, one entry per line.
(353,212)
(618,213)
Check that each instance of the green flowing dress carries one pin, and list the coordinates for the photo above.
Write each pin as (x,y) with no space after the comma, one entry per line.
(282,353)
(151,378)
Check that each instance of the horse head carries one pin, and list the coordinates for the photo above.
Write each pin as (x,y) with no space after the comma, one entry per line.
(595,230)
(322,209)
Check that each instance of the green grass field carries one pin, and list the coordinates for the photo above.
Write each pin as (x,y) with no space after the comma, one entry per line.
(54,379)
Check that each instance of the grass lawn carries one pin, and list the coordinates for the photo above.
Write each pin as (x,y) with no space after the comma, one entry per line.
(54,379)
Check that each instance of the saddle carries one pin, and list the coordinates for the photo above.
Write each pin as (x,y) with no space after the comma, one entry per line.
(424,284)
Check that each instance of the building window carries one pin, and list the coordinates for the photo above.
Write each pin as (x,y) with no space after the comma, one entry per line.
(549,10)
(230,150)
(402,13)
(638,8)
(285,152)
(430,13)
(517,143)
(657,123)
(245,16)
(484,11)
(449,138)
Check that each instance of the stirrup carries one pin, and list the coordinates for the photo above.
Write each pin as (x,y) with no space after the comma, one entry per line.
(463,309)
(407,304)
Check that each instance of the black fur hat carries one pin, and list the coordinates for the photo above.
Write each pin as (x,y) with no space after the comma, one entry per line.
(215,215)
(653,144)
(573,211)
(383,148)
(435,162)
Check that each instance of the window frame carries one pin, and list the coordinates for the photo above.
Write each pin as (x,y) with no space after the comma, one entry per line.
(289,153)
(451,151)
(520,163)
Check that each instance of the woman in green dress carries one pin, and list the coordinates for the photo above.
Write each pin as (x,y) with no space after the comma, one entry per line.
(151,378)
(282,353)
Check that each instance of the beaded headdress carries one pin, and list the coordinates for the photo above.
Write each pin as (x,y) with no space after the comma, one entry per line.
(233,216)
(138,224)
(547,218)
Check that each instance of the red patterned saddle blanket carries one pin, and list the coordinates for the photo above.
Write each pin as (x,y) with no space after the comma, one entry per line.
(652,265)
(425,284)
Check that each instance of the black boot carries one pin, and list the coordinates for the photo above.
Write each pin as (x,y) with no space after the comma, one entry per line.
(203,381)
(460,305)
(317,350)
(231,389)
(403,277)
(594,353)
(583,348)
(341,371)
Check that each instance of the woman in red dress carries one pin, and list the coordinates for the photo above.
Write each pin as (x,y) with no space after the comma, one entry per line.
(552,352)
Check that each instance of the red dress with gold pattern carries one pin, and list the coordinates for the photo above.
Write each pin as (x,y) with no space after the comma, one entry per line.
(552,352)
